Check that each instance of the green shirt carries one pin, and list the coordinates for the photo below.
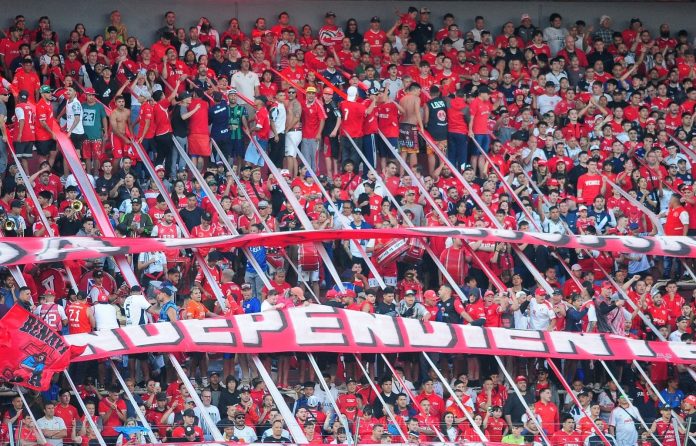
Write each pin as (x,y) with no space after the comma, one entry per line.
(511,439)
(237,112)
(92,116)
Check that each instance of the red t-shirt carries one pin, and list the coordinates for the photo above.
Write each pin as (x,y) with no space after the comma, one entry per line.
(312,116)
(388,119)
(198,122)
(353,114)
(480,111)
(44,112)
(113,420)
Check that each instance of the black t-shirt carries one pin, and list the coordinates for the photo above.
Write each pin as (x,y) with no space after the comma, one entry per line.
(386,309)
(179,126)
(104,182)
(191,218)
(332,115)
(271,439)
(437,119)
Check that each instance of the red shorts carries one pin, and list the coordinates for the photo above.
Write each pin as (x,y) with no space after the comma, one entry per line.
(199,145)
(118,147)
(93,149)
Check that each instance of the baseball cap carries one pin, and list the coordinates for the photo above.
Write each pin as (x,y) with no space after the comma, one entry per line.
(575,267)
(540,292)
(488,293)
(299,292)
(189,413)
(311,90)
(90,91)
(49,292)
(330,14)
(409,292)
(352,93)
(246,286)
(691,399)
(375,19)
(161,396)
(231,91)
(45,89)
(430,294)
(525,16)
(243,389)
(98,273)
(263,204)
(159,167)
(520,378)
(312,401)
(285,172)
(24,94)
(425,10)
(582,207)
(135,289)
(135,201)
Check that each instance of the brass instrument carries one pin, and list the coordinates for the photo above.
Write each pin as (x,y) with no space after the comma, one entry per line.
(76,205)
(10,225)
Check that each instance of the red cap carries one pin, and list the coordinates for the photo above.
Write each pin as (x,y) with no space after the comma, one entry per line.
(691,399)
(350,293)
(520,379)
(430,294)
(331,294)
(540,292)
(488,293)
(541,162)
(519,92)
(49,292)
(4,90)
(553,183)
(650,121)
(691,188)
(90,91)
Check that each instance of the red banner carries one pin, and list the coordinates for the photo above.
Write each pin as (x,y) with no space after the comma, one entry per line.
(31,351)
(14,251)
(319,328)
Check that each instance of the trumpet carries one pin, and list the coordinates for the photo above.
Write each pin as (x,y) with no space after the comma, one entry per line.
(10,225)
(76,205)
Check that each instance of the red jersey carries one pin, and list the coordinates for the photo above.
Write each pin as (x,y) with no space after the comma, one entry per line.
(263,124)
(480,111)
(25,112)
(161,122)
(548,412)
(312,117)
(562,438)
(589,187)
(353,114)
(44,113)
(26,81)
(198,122)
(78,317)
(388,119)
(376,40)
(113,419)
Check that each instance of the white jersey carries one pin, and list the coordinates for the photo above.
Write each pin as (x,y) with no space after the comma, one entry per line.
(540,315)
(73,112)
(136,307)
(625,427)
(105,316)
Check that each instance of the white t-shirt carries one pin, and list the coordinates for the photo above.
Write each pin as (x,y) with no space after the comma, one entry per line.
(247,434)
(625,426)
(105,316)
(55,423)
(73,111)
(547,103)
(245,83)
(136,307)
(540,315)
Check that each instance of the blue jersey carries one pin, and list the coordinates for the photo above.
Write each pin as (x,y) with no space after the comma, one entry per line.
(219,118)
(251,305)
(259,253)
(163,316)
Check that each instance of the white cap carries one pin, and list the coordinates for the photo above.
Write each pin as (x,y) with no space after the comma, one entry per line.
(352,93)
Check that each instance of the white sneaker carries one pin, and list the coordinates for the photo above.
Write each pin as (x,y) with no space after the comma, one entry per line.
(204,382)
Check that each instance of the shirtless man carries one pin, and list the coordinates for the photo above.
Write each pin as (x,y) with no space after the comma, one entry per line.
(411,123)
(293,131)
(121,130)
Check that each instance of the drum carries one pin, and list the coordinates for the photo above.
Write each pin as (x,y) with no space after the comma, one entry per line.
(308,257)
(390,251)
(414,252)
(454,262)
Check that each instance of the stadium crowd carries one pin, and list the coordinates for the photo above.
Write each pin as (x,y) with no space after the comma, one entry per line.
(558,127)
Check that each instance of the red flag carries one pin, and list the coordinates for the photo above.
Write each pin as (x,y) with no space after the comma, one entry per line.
(32,351)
